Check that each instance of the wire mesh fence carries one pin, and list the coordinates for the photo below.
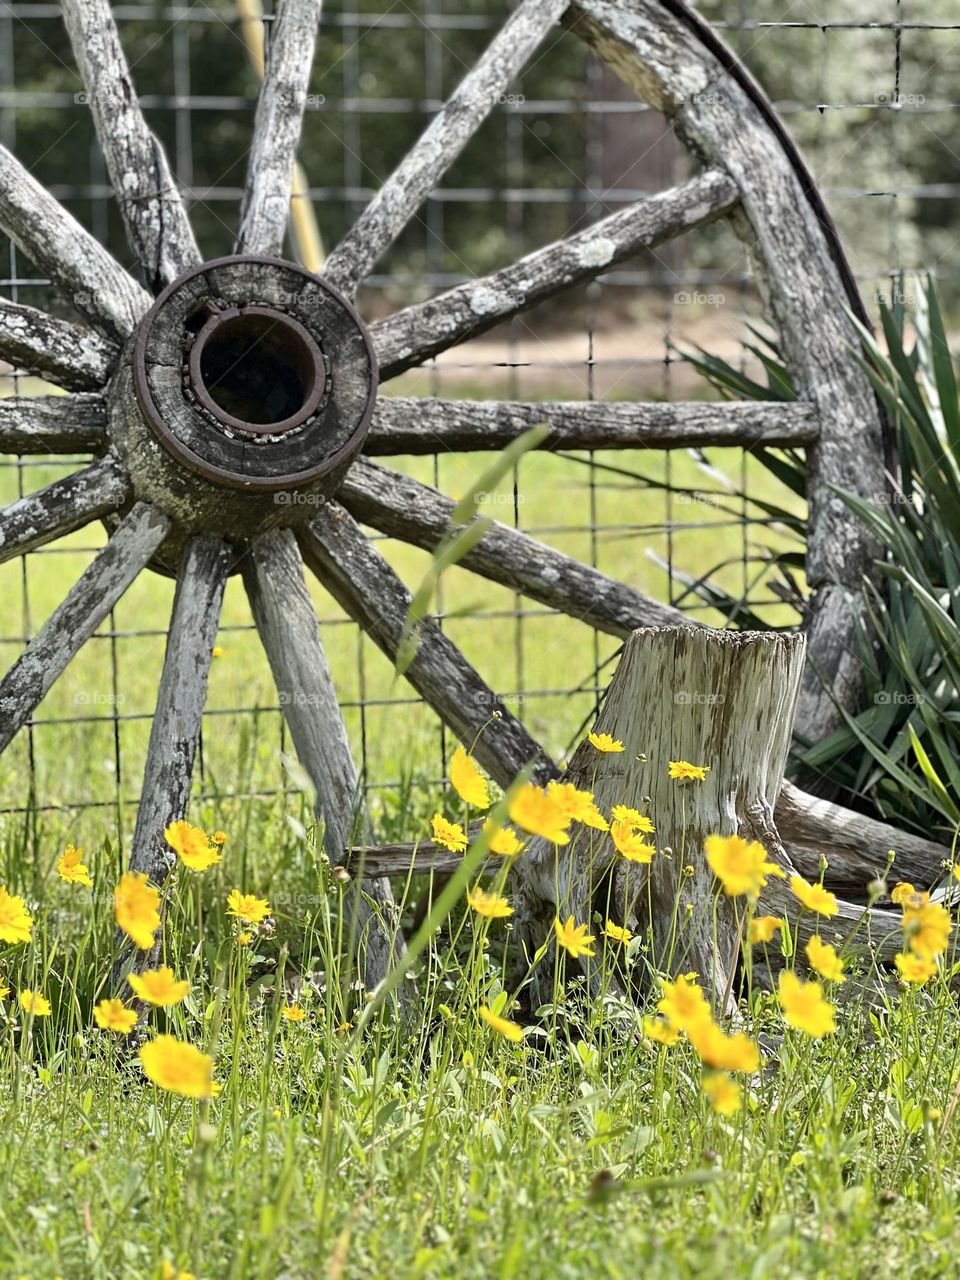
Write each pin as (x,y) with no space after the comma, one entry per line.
(866,93)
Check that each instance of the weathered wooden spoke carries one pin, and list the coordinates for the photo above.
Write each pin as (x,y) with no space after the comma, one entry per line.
(356,574)
(409,185)
(53,424)
(63,506)
(68,355)
(404,424)
(276,130)
(288,628)
(158,230)
(406,509)
(418,332)
(175,732)
(78,264)
(72,624)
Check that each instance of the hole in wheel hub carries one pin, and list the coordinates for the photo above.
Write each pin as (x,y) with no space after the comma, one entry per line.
(257,370)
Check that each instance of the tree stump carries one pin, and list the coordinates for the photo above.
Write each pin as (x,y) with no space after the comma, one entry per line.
(720,699)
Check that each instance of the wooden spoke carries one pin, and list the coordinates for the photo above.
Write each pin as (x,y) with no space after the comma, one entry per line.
(406,509)
(412,181)
(409,425)
(414,334)
(70,356)
(56,243)
(72,624)
(276,130)
(158,230)
(53,424)
(175,731)
(356,574)
(63,506)
(287,624)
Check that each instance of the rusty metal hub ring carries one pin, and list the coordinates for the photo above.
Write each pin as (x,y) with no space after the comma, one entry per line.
(255,374)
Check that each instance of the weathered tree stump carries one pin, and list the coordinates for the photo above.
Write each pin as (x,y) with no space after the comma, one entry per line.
(720,699)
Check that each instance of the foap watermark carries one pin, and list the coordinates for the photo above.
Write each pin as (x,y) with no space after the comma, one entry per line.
(897,698)
(897,101)
(698,698)
(509,99)
(696,298)
(695,496)
(294,498)
(487,698)
(483,497)
(97,698)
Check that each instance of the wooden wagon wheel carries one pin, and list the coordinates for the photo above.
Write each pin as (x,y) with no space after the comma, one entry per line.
(231,405)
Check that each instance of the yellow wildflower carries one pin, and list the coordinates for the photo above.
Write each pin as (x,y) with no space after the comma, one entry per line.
(630,844)
(219,838)
(927,928)
(504,841)
(178,1067)
(915,969)
(814,896)
(70,867)
(578,806)
(16,923)
(247,907)
(722,1092)
(136,908)
(603,742)
(660,1031)
(740,865)
(467,780)
(159,986)
(762,928)
(683,1003)
(684,771)
(113,1015)
(633,818)
(904,893)
(293,1013)
(492,906)
(503,1026)
(616,932)
(191,846)
(824,959)
(539,814)
(718,1050)
(244,939)
(573,937)
(34,1002)
(804,1006)
(450,834)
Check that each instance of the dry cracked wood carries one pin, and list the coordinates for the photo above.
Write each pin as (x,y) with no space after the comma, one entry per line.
(287,625)
(412,181)
(413,426)
(70,355)
(356,575)
(78,264)
(418,332)
(158,229)
(63,506)
(175,731)
(276,129)
(53,424)
(74,621)
(404,508)
(673,62)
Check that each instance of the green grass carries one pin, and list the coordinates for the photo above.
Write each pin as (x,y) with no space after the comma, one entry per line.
(431,1146)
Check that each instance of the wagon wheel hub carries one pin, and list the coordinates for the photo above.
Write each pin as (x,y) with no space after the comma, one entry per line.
(244,394)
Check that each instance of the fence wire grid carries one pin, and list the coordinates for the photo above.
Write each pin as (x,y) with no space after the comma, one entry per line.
(865,89)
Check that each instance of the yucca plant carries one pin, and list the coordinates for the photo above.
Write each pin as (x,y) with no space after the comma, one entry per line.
(901,754)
